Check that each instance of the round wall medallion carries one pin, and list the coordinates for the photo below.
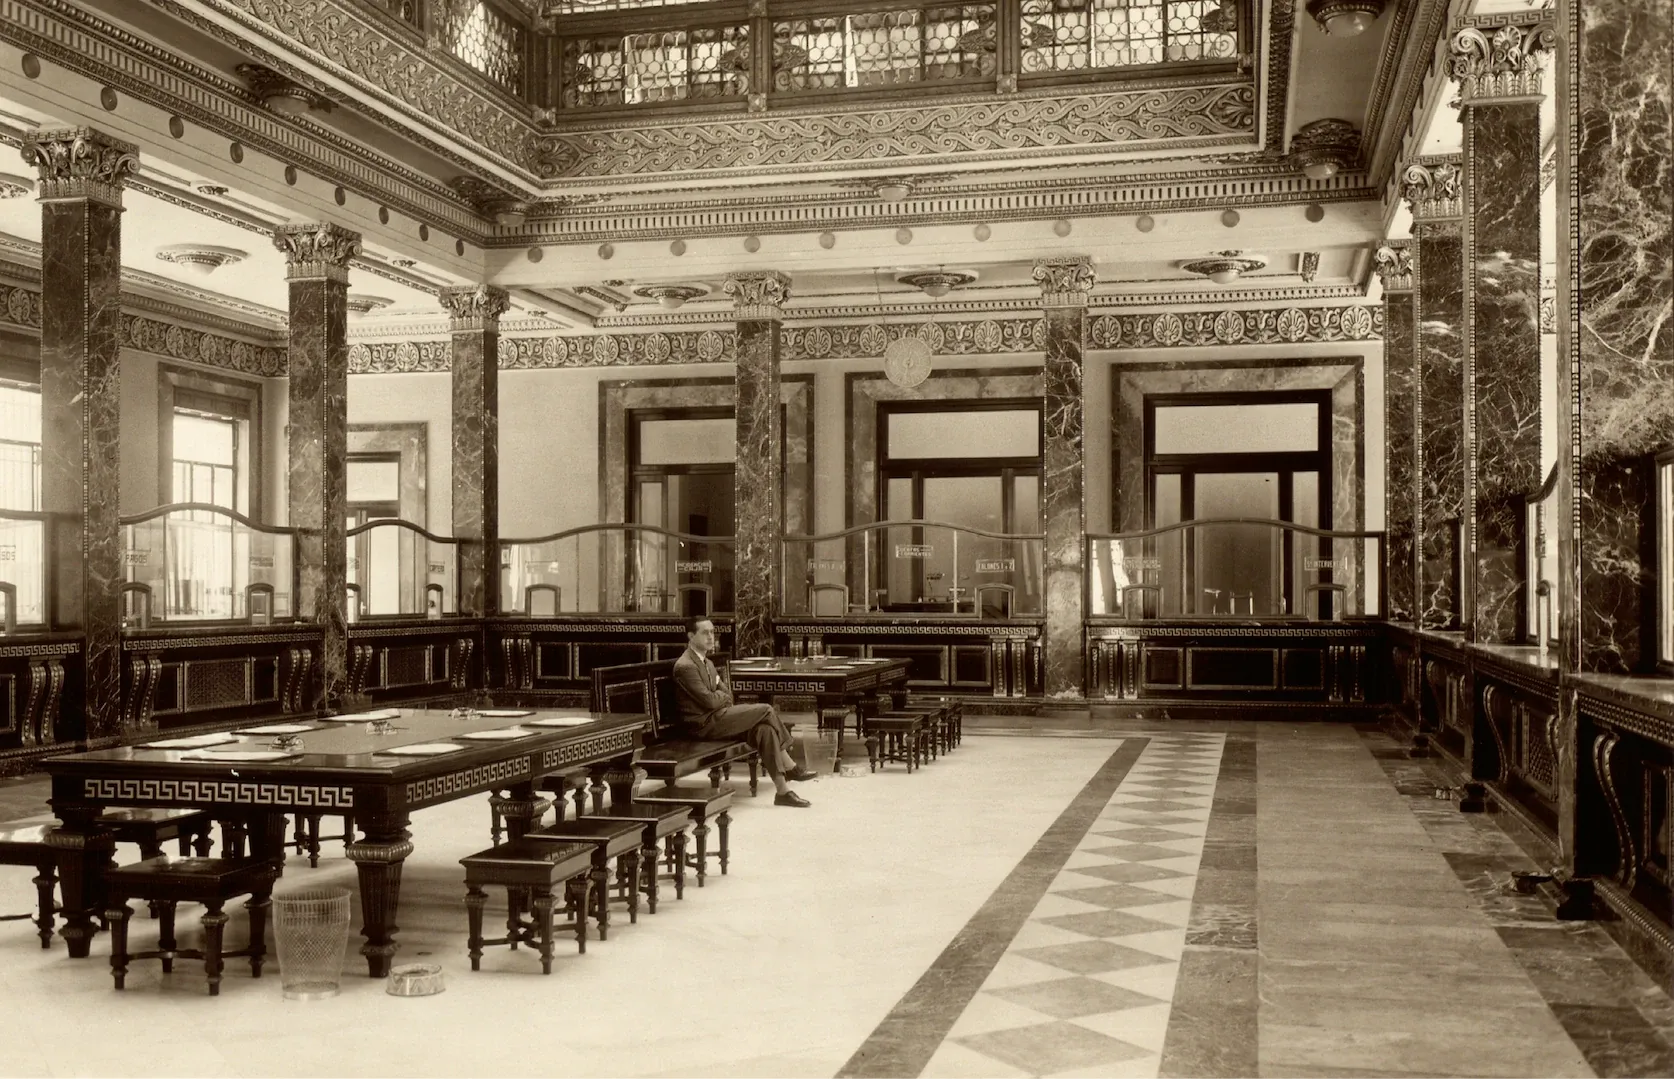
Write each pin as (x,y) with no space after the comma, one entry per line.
(677,248)
(31,65)
(982,232)
(752,244)
(1315,212)
(907,361)
(290,175)
(424,231)
(828,240)
(1061,227)
(235,151)
(107,98)
(339,195)
(903,235)
(459,247)
(535,254)
(1145,223)
(606,250)
(383,215)
(177,127)
(1229,218)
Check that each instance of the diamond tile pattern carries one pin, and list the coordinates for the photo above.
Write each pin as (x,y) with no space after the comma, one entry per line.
(1083,1022)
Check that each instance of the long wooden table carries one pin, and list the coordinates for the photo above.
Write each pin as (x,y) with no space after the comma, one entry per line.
(339,770)
(836,683)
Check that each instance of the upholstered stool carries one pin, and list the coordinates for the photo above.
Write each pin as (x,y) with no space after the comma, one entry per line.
(532,869)
(307,838)
(24,844)
(662,824)
(151,827)
(705,806)
(610,840)
(169,880)
(894,738)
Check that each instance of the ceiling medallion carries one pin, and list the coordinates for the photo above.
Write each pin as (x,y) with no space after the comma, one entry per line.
(1226,266)
(671,296)
(1323,148)
(362,304)
(1345,18)
(13,186)
(201,259)
(281,93)
(491,202)
(907,361)
(936,283)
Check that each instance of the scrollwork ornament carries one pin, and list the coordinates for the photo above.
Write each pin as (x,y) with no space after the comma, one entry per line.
(1502,64)
(474,307)
(317,250)
(1393,263)
(758,295)
(1064,282)
(80,163)
(1431,187)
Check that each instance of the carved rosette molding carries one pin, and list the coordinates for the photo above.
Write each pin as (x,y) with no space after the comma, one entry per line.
(317,250)
(474,308)
(758,295)
(967,130)
(1393,263)
(1431,187)
(977,337)
(1500,63)
(1064,282)
(80,163)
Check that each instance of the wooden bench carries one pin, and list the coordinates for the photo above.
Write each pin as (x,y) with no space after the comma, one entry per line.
(170,880)
(649,688)
(537,869)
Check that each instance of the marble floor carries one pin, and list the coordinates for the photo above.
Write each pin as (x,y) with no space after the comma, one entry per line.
(1231,899)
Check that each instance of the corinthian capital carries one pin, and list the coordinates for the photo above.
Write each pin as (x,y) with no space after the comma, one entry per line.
(758,295)
(1500,62)
(1431,187)
(80,163)
(1393,263)
(1064,282)
(317,250)
(474,307)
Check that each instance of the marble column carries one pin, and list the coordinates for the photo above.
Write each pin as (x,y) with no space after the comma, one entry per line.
(1498,68)
(1064,285)
(474,320)
(758,497)
(1431,186)
(82,173)
(1400,428)
(317,268)
(1615,323)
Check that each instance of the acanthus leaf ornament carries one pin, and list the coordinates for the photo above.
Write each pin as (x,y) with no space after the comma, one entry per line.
(1431,187)
(758,295)
(1064,282)
(317,250)
(473,307)
(80,163)
(1500,63)
(1393,263)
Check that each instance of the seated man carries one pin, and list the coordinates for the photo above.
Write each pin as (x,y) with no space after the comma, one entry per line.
(706,707)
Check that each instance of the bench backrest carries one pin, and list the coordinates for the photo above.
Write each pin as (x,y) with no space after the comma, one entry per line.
(639,688)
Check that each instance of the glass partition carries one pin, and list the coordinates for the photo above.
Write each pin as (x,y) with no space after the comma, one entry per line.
(199,561)
(397,568)
(23,568)
(618,569)
(1231,567)
(912,566)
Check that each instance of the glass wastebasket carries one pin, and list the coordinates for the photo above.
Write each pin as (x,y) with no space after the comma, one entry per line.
(312,926)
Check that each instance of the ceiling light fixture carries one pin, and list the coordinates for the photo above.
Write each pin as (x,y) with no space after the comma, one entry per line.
(201,259)
(492,203)
(282,94)
(1322,148)
(1225,267)
(363,304)
(936,283)
(671,296)
(892,191)
(1345,18)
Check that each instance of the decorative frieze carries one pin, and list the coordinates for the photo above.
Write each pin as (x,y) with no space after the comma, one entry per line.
(758,295)
(317,250)
(1064,282)
(1500,63)
(473,307)
(1432,188)
(80,163)
(1393,263)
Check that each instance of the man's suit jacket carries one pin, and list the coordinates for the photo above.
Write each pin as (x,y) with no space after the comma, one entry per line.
(698,688)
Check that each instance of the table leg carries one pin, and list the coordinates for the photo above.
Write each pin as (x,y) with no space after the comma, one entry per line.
(378,856)
(84,854)
(621,777)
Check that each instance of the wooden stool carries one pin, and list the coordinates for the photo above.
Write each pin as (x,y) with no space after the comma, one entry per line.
(935,736)
(168,880)
(706,806)
(894,738)
(661,823)
(307,838)
(25,845)
(619,840)
(530,868)
(150,828)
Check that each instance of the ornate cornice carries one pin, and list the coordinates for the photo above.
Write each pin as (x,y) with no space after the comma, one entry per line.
(1494,60)
(1393,262)
(474,308)
(316,251)
(1431,186)
(758,295)
(80,163)
(1064,282)
(973,131)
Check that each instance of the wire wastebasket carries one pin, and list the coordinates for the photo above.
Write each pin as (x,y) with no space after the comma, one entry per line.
(312,926)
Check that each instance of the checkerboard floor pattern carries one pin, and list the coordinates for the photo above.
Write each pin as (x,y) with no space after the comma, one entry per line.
(1086,987)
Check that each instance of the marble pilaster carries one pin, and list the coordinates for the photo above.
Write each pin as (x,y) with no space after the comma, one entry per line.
(1431,186)
(82,173)
(1498,68)
(317,269)
(758,299)
(1400,438)
(1615,323)
(474,319)
(1064,285)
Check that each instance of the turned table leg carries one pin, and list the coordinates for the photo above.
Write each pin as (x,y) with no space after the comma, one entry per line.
(84,854)
(378,857)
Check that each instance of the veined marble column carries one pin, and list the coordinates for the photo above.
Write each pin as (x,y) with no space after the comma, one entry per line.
(82,173)
(758,495)
(1064,285)
(1615,327)
(1498,68)
(1400,427)
(317,268)
(474,319)
(1431,187)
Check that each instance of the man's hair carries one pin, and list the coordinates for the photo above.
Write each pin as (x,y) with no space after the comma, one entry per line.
(695,623)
